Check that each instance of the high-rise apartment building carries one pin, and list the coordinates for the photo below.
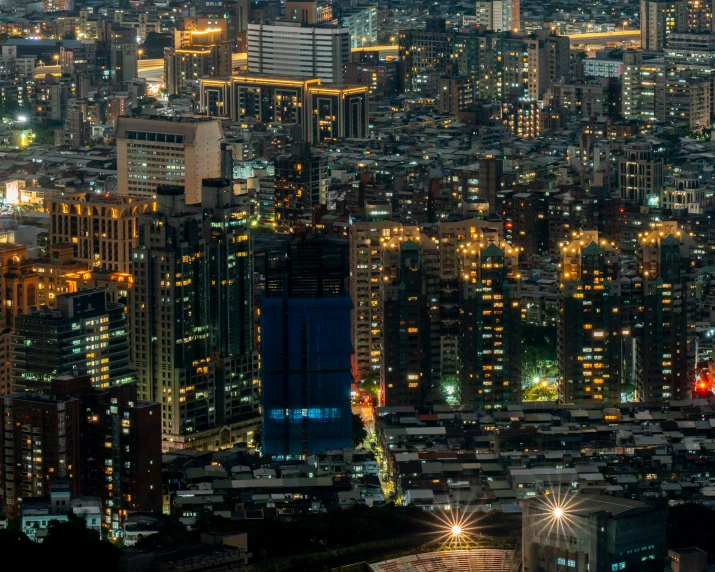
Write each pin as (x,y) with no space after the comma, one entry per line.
(427,54)
(191,305)
(522,117)
(86,334)
(299,50)
(127,475)
(181,151)
(368,235)
(665,360)
(396,270)
(300,184)
(499,15)
(75,131)
(491,175)
(640,174)
(231,309)
(642,97)
(101,229)
(409,351)
(653,26)
(455,95)
(659,19)
(170,318)
(700,16)
(549,59)
(104,442)
(40,438)
(306,351)
(589,326)
(120,48)
(490,354)
(687,97)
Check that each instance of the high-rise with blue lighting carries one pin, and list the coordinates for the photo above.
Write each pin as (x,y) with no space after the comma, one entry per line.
(305,332)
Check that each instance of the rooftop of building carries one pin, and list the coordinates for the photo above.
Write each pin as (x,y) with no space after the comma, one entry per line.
(101,198)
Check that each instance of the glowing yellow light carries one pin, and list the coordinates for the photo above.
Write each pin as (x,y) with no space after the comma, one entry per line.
(456,530)
(558,512)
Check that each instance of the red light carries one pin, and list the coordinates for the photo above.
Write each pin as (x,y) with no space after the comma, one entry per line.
(623,210)
(701,385)
(508,225)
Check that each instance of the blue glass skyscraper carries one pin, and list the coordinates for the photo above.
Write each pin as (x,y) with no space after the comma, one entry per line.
(306,349)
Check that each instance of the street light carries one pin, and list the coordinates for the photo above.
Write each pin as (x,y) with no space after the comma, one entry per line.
(456,530)
(558,512)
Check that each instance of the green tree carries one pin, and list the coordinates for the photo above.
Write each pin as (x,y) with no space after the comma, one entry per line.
(73,537)
(690,524)
(359,431)
(371,383)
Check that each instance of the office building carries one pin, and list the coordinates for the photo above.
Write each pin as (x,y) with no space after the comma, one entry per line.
(190,305)
(640,175)
(300,184)
(197,54)
(594,533)
(665,357)
(86,334)
(362,25)
(339,111)
(306,352)
(499,15)
(321,111)
(299,50)
(490,354)
(589,327)
(100,229)
(602,67)
(182,151)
